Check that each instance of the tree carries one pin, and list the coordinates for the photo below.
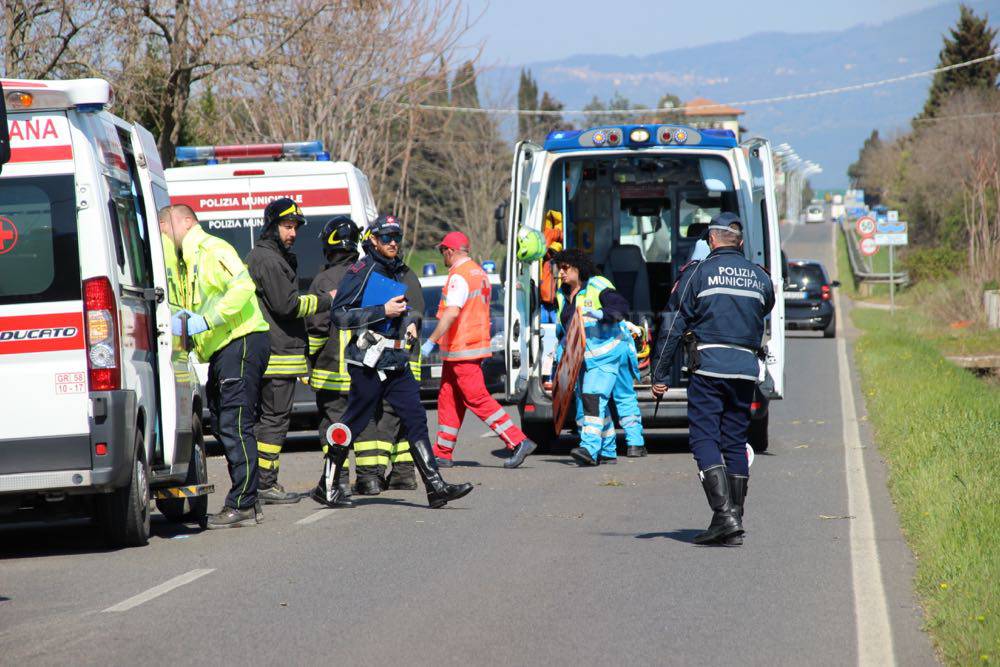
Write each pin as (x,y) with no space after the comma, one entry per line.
(971,38)
(527,100)
(855,172)
(40,36)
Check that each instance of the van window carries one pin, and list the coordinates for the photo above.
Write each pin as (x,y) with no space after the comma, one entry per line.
(39,259)
(132,230)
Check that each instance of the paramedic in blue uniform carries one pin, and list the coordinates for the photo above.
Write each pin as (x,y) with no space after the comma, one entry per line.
(721,303)
(378,361)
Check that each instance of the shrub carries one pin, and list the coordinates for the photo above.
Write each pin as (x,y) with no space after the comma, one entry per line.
(937,263)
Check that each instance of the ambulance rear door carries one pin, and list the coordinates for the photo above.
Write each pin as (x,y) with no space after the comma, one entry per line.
(519,291)
(766,251)
(44,401)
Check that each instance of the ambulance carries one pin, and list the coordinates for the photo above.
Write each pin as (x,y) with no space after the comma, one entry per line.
(99,405)
(636,199)
(228,187)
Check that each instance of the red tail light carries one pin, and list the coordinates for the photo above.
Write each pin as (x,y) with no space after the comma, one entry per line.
(755,406)
(825,289)
(100,315)
(529,408)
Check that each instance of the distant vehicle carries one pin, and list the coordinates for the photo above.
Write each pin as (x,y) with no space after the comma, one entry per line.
(809,298)
(493,368)
(814,213)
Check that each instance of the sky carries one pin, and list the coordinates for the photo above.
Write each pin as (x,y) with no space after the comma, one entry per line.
(514,32)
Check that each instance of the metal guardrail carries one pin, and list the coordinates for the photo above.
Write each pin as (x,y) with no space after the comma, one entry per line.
(861,266)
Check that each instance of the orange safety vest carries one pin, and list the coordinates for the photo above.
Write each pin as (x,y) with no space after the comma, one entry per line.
(469,336)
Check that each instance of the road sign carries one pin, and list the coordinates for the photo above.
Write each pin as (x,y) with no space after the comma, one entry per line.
(865,226)
(890,227)
(892,233)
(892,239)
(892,216)
(868,246)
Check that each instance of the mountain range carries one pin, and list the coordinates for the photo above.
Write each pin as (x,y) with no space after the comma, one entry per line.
(828,129)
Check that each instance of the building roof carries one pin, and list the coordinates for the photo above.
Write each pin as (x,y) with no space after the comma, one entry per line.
(711,108)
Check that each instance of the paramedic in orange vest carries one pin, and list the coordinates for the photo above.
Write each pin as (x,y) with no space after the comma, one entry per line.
(463,332)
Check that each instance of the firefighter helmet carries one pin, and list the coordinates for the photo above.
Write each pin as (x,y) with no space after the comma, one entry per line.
(340,233)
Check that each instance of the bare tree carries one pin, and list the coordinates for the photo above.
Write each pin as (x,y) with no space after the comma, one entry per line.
(39,36)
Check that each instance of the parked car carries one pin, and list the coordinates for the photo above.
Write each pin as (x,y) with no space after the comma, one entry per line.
(493,368)
(808,298)
(814,213)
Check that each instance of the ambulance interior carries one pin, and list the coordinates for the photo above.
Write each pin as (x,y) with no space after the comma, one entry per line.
(639,218)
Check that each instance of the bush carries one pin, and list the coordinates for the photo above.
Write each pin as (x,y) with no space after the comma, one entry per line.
(937,263)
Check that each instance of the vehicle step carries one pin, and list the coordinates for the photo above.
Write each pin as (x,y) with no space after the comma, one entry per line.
(187,491)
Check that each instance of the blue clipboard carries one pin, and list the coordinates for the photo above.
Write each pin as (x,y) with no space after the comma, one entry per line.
(379,290)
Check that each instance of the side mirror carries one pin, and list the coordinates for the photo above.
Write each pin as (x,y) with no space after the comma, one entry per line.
(500,220)
(784,268)
(835,283)
(4,133)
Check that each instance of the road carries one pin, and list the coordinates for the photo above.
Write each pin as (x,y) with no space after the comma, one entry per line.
(547,564)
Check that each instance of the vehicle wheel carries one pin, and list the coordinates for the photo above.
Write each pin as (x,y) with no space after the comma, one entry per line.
(542,434)
(757,436)
(124,513)
(191,509)
(831,329)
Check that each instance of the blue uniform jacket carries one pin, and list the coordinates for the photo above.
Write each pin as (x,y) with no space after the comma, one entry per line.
(723,301)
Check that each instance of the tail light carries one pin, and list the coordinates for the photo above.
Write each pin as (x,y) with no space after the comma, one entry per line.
(755,406)
(825,295)
(100,314)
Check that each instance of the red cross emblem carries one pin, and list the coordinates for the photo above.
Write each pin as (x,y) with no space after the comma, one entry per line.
(8,235)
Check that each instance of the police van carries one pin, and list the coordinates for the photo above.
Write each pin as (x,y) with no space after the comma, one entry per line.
(634,197)
(99,405)
(228,187)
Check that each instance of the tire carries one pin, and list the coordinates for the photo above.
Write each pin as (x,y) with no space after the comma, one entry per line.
(757,435)
(191,509)
(831,329)
(541,433)
(124,513)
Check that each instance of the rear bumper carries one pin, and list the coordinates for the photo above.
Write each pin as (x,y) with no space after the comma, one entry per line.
(808,317)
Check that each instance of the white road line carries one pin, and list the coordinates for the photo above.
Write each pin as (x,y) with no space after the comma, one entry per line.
(315,516)
(157,591)
(871,612)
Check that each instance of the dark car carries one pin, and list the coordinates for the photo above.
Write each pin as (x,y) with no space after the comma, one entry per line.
(494,368)
(809,298)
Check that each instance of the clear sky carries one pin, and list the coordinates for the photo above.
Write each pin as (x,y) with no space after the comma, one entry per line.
(519,31)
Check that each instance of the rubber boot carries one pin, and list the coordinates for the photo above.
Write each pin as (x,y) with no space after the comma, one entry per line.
(439,492)
(738,492)
(368,486)
(338,499)
(725,520)
(403,477)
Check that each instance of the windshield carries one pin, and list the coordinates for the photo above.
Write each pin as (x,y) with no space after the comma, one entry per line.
(805,276)
(39,259)
(432,297)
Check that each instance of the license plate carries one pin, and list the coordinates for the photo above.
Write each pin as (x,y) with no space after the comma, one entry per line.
(435,371)
(794,296)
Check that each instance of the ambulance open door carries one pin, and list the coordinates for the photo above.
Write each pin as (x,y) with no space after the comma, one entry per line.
(518,287)
(765,249)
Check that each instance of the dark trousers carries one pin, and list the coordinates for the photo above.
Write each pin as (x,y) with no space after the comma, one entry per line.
(399,389)
(719,416)
(234,377)
(382,442)
(276,397)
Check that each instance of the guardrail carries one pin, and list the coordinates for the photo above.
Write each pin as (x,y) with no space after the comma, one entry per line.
(862,267)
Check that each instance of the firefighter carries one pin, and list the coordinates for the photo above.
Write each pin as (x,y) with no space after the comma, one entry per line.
(273,267)
(610,362)
(378,361)
(722,303)
(463,332)
(231,334)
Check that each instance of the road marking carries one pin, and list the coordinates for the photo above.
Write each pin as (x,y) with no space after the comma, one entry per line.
(314,517)
(157,591)
(871,612)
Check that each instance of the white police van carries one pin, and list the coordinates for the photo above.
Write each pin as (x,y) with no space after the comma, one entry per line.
(230,186)
(635,197)
(99,407)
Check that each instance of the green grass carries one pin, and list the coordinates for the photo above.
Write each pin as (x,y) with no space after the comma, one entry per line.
(938,428)
(844,273)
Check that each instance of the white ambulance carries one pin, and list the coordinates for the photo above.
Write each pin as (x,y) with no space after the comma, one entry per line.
(230,189)
(99,407)
(634,197)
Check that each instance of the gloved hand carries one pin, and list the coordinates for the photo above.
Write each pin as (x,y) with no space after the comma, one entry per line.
(196,324)
(427,347)
(590,312)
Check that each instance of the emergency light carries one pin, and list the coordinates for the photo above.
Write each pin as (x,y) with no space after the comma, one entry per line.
(213,154)
(430,269)
(489,266)
(39,95)
(639,136)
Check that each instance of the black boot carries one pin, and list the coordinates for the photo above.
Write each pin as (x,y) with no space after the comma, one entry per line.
(230,517)
(582,456)
(338,499)
(439,492)
(403,477)
(521,452)
(635,452)
(276,495)
(368,486)
(738,492)
(725,520)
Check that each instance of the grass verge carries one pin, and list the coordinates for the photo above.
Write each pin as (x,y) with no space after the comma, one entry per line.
(938,428)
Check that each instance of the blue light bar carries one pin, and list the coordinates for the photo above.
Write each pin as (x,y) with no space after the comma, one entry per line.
(489,266)
(621,136)
(430,269)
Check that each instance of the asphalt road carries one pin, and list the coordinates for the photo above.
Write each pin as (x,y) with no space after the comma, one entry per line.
(547,564)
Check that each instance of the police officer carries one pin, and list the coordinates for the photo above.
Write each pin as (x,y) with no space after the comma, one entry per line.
(721,305)
(610,361)
(273,267)
(230,333)
(378,362)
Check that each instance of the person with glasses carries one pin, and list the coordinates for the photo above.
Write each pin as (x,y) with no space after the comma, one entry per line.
(378,361)
(463,332)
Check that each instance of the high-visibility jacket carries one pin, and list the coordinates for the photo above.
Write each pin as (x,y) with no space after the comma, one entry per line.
(217,286)
(469,336)
(608,341)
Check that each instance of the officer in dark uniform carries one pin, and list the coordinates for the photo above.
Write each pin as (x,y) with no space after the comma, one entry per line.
(378,360)
(273,268)
(721,305)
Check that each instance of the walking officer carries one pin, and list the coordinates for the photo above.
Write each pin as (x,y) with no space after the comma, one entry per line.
(230,333)
(273,267)
(378,361)
(722,303)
